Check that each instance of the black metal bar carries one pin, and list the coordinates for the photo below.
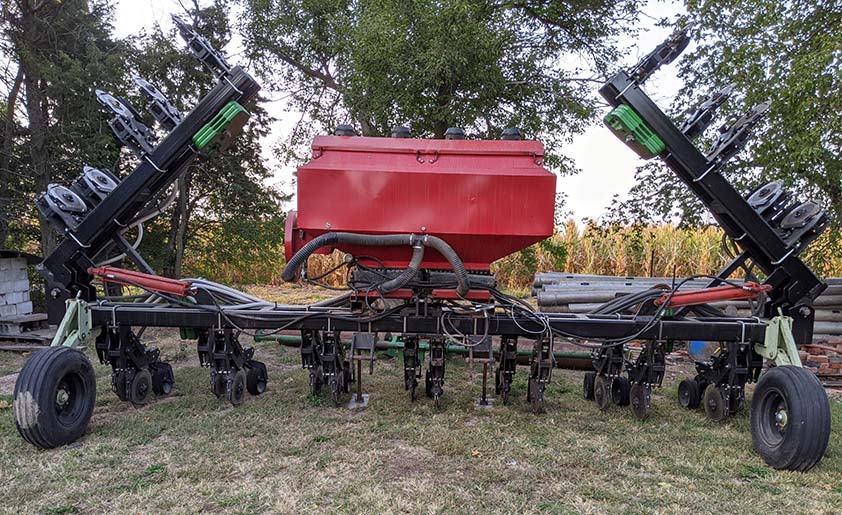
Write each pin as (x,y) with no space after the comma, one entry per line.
(717,329)
(65,269)
(795,285)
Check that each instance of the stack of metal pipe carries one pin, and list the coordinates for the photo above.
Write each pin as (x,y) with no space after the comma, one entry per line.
(563,292)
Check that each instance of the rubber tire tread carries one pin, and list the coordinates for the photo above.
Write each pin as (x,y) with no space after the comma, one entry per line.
(803,390)
(588,386)
(48,363)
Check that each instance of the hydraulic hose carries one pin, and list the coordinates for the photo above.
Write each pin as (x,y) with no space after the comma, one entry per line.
(379,240)
(409,272)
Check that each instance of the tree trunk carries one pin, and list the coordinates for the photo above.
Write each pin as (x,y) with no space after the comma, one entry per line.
(36,107)
(183,210)
(5,156)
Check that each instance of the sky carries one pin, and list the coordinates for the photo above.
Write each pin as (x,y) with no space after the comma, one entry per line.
(607,165)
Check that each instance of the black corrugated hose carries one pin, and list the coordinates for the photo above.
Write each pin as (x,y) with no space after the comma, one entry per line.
(384,240)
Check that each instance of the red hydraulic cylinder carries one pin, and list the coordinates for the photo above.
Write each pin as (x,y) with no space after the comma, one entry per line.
(748,290)
(151,282)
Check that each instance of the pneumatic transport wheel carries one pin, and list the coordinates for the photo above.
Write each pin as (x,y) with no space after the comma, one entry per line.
(236,391)
(716,405)
(689,394)
(620,391)
(790,418)
(601,392)
(140,388)
(54,397)
(641,400)
(588,386)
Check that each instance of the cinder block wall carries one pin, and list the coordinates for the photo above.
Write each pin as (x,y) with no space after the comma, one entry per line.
(14,288)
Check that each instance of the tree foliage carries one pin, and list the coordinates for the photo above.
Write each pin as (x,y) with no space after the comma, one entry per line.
(786,53)
(434,64)
(60,51)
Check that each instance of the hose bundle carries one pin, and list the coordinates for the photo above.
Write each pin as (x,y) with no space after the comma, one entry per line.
(418,243)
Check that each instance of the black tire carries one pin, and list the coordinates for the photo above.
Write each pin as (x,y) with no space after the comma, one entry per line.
(801,443)
(689,394)
(601,392)
(620,391)
(236,391)
(140,389)
(54,398)
(716,404)
(588,386)
(256,378)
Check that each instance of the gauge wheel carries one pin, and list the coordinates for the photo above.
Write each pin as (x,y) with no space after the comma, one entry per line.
(588,386)
(689,394)
(601,392)
(140,388)
(620,391)
(237,388)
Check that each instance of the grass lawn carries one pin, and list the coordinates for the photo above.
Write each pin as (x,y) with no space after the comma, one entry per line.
(287,452)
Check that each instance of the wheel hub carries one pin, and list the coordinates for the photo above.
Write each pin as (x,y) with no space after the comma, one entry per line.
(62,398)
(781,419)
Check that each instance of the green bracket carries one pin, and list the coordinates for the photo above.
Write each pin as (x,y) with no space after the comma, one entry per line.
(220,131)
(76,328)
(779,344)
(629,127)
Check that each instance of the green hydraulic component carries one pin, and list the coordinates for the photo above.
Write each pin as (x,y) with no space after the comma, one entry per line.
(218,133)
(396,344)
(188,333)
(779,344)
(629,127)
(76,328)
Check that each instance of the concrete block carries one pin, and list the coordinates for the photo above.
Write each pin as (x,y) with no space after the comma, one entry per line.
(17,275)
(6,286)
(8,310)
(13,297)
(24,308)
(5,264)
(22,285)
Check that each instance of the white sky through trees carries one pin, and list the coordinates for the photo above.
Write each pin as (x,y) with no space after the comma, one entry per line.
(607,165)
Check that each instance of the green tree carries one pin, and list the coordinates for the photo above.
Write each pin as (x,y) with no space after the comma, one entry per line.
(786,53)
(218,198)
(63,50)
(434,64)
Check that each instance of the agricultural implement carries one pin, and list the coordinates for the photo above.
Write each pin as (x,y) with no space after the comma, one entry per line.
(419,281)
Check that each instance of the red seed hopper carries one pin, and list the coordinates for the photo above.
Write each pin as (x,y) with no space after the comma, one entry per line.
(487,199)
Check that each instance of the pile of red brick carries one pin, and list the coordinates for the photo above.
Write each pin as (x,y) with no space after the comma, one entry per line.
(825,359)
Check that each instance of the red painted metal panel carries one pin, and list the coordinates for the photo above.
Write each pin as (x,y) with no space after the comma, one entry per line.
(487,199)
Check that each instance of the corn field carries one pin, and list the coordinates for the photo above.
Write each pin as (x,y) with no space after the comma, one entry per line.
(645,250)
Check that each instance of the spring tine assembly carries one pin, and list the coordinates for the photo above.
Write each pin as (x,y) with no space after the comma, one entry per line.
(126,124)
(734,137)
(159,106)
(703,116)
(664,53)
(202,49)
